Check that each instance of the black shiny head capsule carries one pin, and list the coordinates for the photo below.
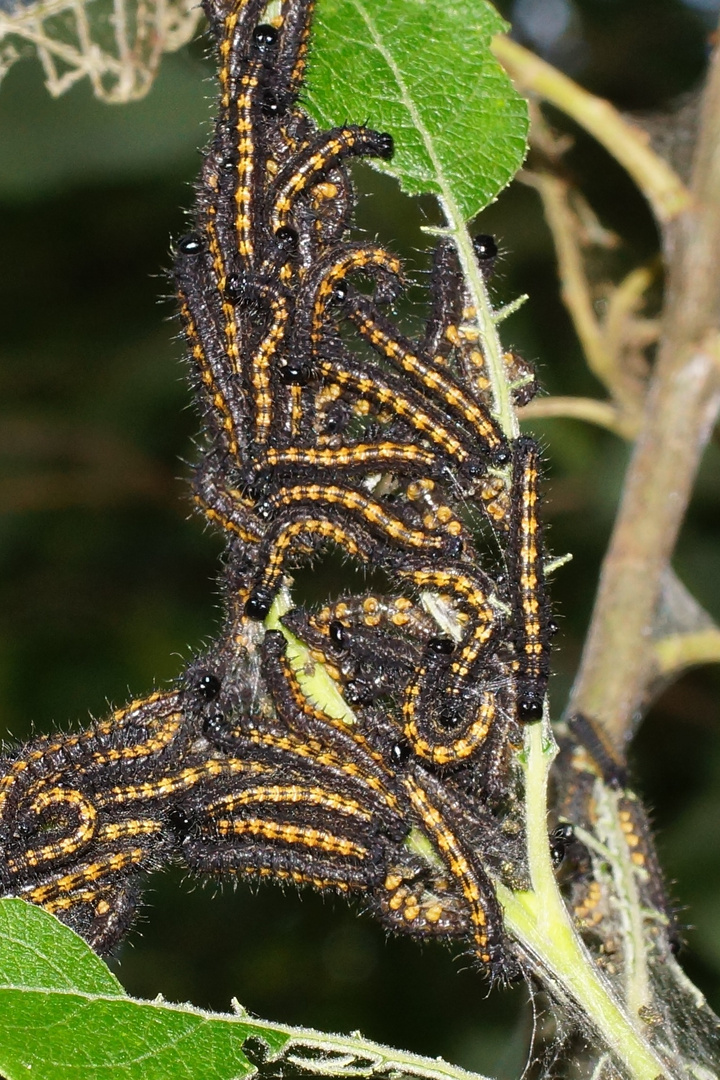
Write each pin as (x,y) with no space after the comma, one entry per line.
(340,290)
(474,467)
(336,420)
(337,635)
(442,646)
(448,716)
(287,238)
(359,693)
(190,244)
(215,725)
(385,146)
(264,38)
(269,103)
(257,606)
(561,837)
(208,685)
(485,248)
(235,288)
(179,823)
(501,456)
(530,709)
(399,754)
(294,373)
(229,162)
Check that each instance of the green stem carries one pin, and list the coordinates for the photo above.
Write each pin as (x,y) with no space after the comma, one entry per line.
(542,925)
(680,651)
(382,1060)
(317,686)
(487,321)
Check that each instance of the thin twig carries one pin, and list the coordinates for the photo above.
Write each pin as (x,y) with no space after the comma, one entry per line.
(575,288)
(628,144)
(682,405)
(601,413)
(624,329)
(682,651)
(606,339)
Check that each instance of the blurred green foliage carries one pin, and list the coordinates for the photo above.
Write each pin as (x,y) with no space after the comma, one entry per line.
(107,581)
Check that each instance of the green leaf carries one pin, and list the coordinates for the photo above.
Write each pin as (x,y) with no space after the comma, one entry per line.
(36,951)
(64,1016)
(423,70)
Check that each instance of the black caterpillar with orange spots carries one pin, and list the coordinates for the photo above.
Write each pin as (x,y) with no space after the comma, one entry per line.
(398,785)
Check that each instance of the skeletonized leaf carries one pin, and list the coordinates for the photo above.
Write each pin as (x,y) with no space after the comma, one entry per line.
(116,44)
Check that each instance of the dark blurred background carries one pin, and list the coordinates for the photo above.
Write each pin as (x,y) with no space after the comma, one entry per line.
(108,581)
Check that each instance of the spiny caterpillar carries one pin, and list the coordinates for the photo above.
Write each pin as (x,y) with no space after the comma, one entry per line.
(309,442)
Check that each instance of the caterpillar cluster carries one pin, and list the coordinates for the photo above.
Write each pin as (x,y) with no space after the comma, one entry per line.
(311,444)
(325,425)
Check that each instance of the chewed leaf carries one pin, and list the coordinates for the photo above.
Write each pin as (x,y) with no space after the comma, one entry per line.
(423,70)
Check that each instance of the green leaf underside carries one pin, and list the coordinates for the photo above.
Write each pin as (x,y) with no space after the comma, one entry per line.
(422,70)
(64,1015)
